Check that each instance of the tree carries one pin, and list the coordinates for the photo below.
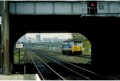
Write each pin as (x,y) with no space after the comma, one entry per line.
(78,36)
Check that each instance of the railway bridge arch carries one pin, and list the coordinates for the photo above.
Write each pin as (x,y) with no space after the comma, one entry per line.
(101,31)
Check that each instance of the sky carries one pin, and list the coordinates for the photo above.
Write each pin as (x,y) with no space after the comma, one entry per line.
(50,35)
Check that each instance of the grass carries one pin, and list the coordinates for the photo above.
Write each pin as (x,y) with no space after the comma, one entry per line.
(16,55)
(23,57)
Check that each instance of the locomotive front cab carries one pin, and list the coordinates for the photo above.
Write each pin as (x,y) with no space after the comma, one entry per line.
(77,47)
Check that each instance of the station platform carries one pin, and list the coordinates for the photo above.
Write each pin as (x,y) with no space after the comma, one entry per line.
(20,77)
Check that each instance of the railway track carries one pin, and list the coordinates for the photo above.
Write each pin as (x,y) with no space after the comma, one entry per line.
(45,72)
(69,71)
(66,72)
(86,56)
(63,72)
(91,75)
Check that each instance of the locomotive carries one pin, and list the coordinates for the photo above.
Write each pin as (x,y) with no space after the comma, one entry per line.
(72,47)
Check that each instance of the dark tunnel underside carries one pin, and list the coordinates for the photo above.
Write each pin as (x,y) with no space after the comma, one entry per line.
(102,32)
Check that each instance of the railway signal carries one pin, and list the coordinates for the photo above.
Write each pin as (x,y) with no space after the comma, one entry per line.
(92,7)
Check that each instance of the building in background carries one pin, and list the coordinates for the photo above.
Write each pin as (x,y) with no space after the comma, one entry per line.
(55,39)
(31,40)
(46,39)
(38,38)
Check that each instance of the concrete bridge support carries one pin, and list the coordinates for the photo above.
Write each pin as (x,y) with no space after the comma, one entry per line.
(5,38)
(1,33)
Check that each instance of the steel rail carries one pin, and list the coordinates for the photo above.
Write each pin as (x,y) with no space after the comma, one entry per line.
(68,68)
(96,74)
(49,67)
(40,74)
